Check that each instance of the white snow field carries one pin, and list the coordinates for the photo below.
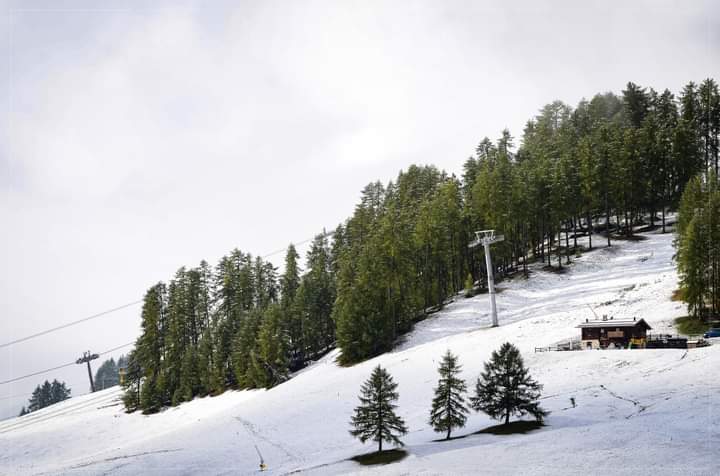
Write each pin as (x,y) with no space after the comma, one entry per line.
(638,411)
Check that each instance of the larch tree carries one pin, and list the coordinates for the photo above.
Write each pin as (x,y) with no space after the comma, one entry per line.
(289,284)
(448,406)
(505,387)
(375,418)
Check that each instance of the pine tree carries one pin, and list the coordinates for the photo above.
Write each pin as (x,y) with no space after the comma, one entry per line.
(58,392)
(132,383)
(244,347)
(375,417)
(448,407)
(47,394)
(270,356)
(635,102)
(35,402)
(107,375)
(292,320)
(698,245)
(190,385)
(209,378)
(505,388)
(709,123)
(290,280)
(151,351)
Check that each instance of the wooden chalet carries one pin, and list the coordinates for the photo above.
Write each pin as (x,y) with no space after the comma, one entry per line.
(614,333)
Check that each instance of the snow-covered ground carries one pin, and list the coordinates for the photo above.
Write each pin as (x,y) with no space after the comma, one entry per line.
(638,411)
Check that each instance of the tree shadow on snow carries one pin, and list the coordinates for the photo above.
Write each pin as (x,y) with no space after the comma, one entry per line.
(384,457)
(478,438)
(512,428)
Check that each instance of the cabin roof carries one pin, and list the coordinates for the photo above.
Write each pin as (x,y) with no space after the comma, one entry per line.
(615,323)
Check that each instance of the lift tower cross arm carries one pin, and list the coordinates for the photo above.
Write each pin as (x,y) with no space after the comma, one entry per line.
(486,238)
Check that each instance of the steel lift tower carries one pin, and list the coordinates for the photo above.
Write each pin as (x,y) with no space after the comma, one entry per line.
(486,238)
(85,359)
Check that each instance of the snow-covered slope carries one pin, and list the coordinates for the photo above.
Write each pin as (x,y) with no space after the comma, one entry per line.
(638,411)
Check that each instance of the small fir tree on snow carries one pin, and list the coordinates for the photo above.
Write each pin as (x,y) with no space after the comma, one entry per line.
(448,407)
(505,388)
(375,417)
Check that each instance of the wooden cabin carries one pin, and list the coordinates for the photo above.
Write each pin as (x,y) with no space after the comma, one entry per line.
(613,333)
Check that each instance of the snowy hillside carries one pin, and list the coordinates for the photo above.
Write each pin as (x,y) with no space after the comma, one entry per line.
(638,411)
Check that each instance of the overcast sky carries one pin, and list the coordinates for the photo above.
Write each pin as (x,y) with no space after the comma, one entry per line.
(144,136)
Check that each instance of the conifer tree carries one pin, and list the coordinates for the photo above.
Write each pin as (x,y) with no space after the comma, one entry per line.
(448,406)
(47,394)
(209,377)
(244,347)
(107,375)
(290,280)
(132,383)
(292,320)
(150,351)
(698,245)
(505,387)
(709,123)
(375,417)
(189,385)
(270,356)
(315,298)
(58,392)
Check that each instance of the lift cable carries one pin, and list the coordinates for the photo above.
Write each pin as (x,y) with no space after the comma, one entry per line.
(15,379)
(84,319)
(115,309)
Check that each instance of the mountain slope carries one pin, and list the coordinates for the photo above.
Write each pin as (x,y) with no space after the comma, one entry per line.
(638,411)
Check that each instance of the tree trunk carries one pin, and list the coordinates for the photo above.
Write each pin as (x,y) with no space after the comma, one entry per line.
(628,224)
(607,217)
(448,434)
(559,249)
(542,240)
(567,243)
(663,218)
(575,220)
(525,258)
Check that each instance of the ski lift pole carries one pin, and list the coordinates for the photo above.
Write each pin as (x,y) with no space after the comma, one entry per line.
(85,359)
(491,282)
(486,238)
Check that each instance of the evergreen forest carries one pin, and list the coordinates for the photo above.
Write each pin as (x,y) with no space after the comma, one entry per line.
(605,168)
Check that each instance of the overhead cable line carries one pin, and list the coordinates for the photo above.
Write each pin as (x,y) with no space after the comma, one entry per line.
(15,379)
(115,309)
(299,243)
(69,324)
(8,397)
